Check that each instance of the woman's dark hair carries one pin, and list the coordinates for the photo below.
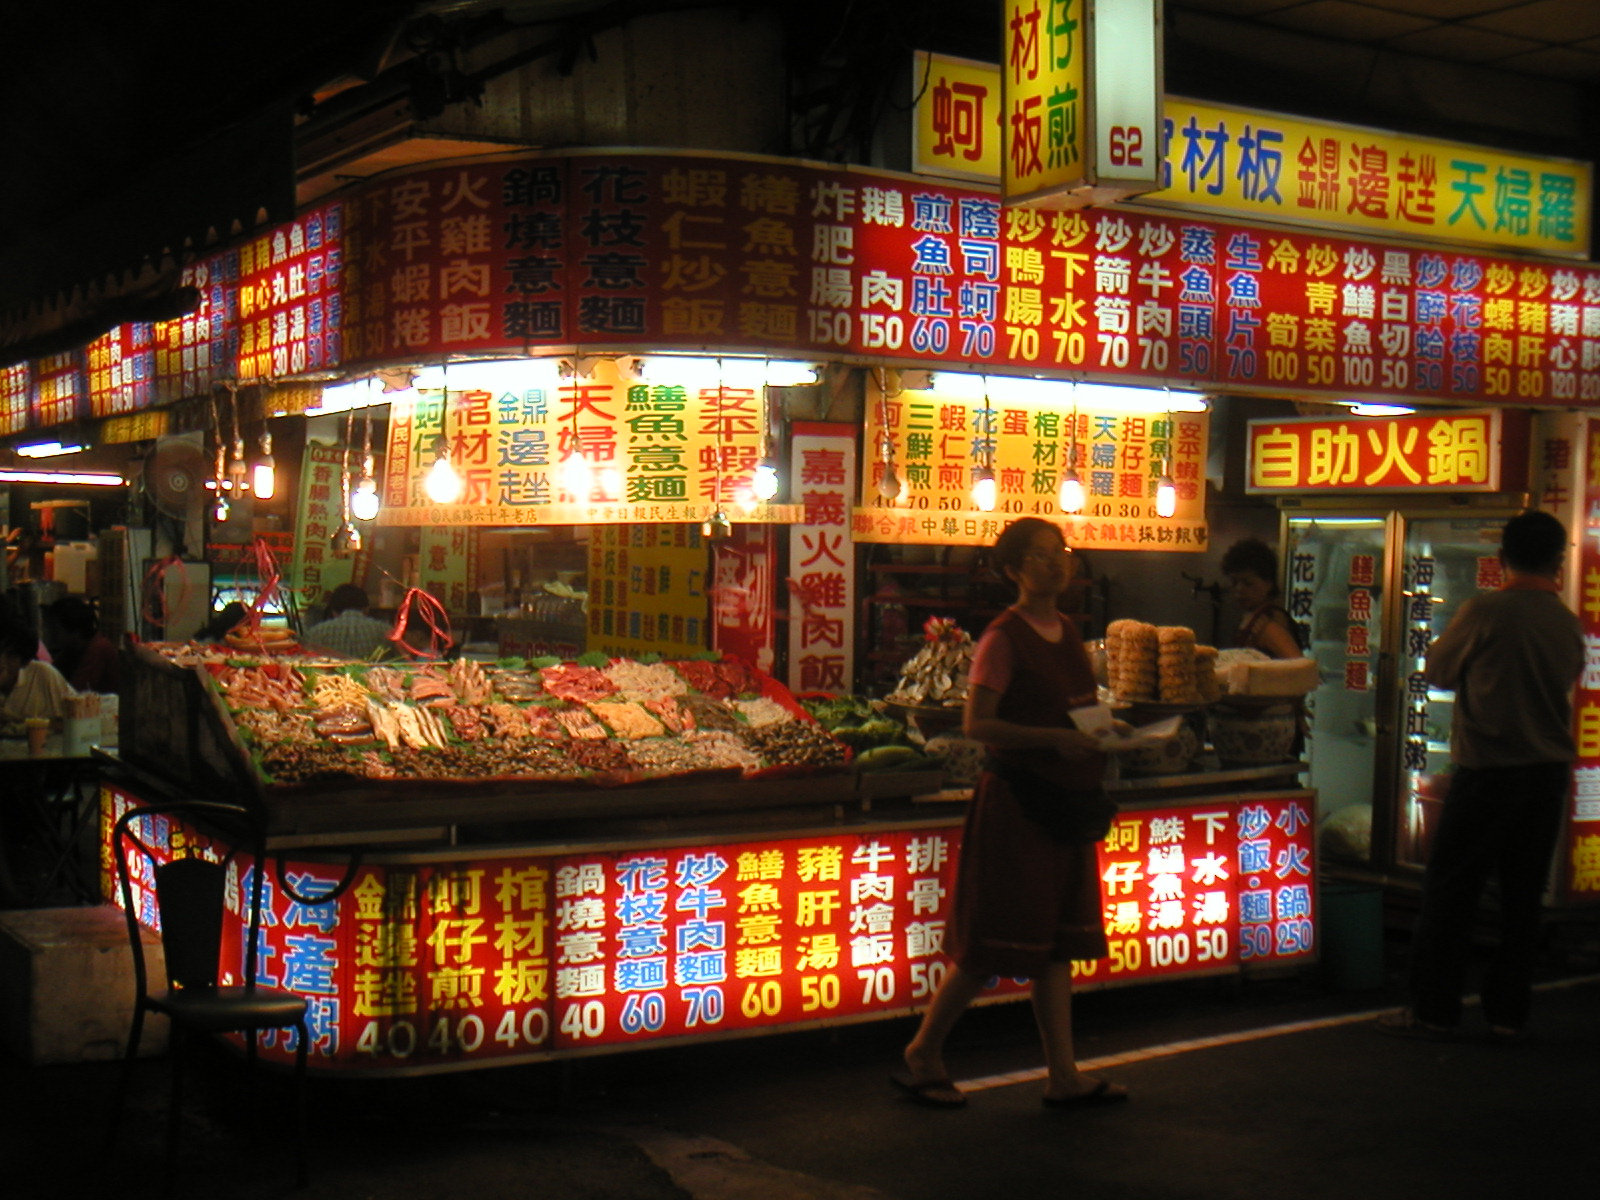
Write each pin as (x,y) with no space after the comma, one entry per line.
(1533,542)
(220,625)
(1014,541)
(75,615)
(1253,555)
(18,641)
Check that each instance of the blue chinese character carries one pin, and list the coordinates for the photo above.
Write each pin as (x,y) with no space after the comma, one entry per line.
(1255,857)
(700,968)
(697,935)
(1293,860)
(308,967)
(642,874)
(1255,908)
(701,869)
(1292,819)
(634,908)
(641,941)
(1254,820)
(322,915)
(1293,901)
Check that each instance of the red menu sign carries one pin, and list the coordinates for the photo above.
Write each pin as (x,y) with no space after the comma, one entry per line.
(290,298)
(122,370)
(776,257)
(456,961)
(197,350)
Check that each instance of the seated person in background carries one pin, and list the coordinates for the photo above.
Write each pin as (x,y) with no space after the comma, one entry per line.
(1252,570)
(30,688)
(348,631)
(87,657)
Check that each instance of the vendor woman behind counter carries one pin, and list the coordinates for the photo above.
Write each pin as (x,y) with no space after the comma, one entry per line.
(1252,570)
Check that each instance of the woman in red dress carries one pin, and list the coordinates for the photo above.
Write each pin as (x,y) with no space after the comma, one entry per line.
(1027,903)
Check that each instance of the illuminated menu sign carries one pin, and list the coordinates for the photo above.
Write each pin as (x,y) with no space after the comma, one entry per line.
(1461,452)
(1243,164)
(822,459)
(938,440)
(1580,849)
(16,386)
(290,297)
(122,370)
(647,589)
(319,512)
(59,389)
(197,350)
(439,962)
(653,452)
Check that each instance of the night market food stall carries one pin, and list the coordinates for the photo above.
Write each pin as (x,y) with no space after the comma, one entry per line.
(518,316)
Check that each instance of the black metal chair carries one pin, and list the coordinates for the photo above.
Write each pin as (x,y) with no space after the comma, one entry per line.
(189,896)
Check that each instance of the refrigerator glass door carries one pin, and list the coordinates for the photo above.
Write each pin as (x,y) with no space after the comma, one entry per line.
(1336,587)
(1445,560)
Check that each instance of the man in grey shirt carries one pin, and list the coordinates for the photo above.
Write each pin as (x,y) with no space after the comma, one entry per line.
(1512,657)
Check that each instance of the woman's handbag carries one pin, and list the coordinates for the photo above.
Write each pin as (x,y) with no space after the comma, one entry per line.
(1066,814)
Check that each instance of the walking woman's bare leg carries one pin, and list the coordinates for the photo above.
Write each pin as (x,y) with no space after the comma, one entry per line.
(925,1054)
(1052,1009)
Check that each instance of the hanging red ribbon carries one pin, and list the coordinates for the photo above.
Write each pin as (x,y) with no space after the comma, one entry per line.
(267,576)
(427,611)
(154,589)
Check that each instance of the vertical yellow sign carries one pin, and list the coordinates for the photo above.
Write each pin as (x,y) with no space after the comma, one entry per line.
(1042,94)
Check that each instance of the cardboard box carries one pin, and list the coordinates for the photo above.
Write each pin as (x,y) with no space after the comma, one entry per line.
(67,985)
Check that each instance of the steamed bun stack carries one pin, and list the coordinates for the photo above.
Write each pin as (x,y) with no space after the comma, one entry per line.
(1132,660)
(1175,660)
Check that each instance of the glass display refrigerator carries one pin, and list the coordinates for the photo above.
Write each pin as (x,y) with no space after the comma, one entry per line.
(1371,587)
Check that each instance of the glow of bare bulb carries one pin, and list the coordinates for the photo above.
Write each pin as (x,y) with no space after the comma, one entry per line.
(984,490)
(1071,497)
(443,484)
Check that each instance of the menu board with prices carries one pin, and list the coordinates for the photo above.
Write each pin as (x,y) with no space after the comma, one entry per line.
(938,441)
(290,301)
(520,954)
(16,386)
(647,590)
(649,452)
(121,370)
(198,350)
(778,257)
(60,391)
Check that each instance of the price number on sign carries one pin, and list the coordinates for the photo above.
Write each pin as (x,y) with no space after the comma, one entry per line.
(1127,146)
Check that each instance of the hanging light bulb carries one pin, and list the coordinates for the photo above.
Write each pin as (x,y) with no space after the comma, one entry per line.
(717,527)
(346,540)
(238,469)
(577,476)
(1070,497)
(1166,492)
(442,484)
(222,509)
(764,481)
(264,475)
(984,489)
(889,482)
(364,502)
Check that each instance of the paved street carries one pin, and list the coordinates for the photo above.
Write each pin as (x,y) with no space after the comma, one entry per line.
(1269,1088)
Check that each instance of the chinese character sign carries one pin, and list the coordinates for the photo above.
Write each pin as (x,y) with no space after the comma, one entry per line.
(938,440)
(199,349)
(437,961)
(647,452)
(647,589)
(16,385)
(320,511)
(60,391)
(1242,164)
(290,299)
(1461,452)
(447,566)
(1043,99)
(1579,855)
(822,559)
(121,370)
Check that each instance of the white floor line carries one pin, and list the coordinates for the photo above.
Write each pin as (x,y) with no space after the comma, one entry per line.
(1168,1049)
